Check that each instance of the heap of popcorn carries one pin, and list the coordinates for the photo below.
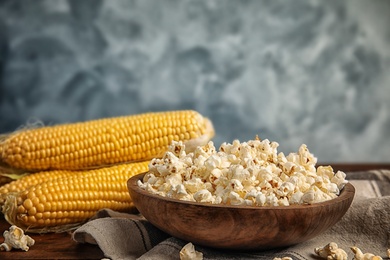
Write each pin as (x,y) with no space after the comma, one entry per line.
(249,173)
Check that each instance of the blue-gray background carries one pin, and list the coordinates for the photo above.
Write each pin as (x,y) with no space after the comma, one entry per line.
(314,72)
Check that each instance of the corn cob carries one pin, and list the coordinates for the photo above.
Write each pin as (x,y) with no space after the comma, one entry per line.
(63,203)
(104,141)
(32,179)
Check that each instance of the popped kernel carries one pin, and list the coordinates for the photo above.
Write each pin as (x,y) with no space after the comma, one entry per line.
(331,251)
(15,238)
(359,255)
(249,173)
(188,252)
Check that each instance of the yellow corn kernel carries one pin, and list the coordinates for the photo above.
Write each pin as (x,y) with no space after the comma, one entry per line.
(104,141)
(61,204)
(31,180)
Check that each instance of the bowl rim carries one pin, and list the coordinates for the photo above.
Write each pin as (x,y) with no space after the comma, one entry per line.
(346,193)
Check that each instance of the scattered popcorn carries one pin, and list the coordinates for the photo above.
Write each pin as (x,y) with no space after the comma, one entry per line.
(331,252)
(366,256)
(15,238)
(388,253)
(283,258)
(188,252)
(250,173)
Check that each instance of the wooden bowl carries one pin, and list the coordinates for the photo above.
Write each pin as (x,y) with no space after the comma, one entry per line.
(239,227)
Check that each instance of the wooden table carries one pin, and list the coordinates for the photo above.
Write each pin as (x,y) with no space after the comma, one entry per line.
(61,245)
(51,246)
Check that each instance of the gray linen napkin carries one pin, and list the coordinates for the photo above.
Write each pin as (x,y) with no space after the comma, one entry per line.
(365,225)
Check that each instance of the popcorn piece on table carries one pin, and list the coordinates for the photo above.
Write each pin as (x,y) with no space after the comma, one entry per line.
(15,238)
(331,251)
(188,252)
(359,255)
(283,258)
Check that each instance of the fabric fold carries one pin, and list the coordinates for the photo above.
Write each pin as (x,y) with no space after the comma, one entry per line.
(119,235)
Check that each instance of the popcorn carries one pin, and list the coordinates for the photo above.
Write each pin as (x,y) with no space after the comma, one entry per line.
(250,173)
(339,179)
(331,251)
(359,255)
(203,196)
(296,198)
(188,252)
(260,199)
(15,238)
